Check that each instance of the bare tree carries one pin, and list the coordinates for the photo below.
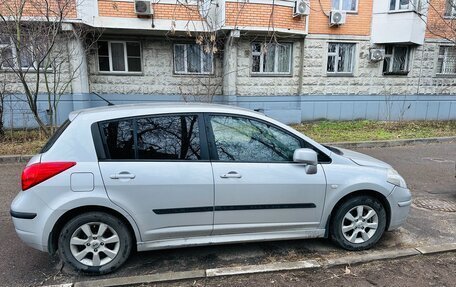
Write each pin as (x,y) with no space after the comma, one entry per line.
(203,27)
(440,19)
(36,33)
(3,89)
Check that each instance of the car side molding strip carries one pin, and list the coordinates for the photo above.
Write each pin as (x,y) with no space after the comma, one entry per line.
(233,208)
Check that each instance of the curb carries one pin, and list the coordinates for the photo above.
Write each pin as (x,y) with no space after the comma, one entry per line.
(14,158)
(392,143)
(263,268)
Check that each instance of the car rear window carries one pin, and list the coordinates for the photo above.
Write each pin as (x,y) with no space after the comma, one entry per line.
(55,136)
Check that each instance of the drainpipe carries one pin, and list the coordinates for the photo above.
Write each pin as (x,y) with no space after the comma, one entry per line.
(301,66)
(301,57)
(421,69)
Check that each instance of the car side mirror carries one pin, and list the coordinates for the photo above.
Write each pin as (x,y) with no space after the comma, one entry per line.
(308,157)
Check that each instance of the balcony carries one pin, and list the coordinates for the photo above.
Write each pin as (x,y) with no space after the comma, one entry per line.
(398,22)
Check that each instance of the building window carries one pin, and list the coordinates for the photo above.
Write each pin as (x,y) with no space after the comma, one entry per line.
(119,56)
(30,57)
(274,58)
(398,5)
(450,9)
(192,59)
(396,60)
(446,61)
(341,58)
(345,5)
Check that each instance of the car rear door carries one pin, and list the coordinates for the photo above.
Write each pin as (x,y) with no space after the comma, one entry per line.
(157,169)
(258,187)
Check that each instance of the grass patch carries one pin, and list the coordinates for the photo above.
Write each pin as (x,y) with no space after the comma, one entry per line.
(365,130)
(21,142)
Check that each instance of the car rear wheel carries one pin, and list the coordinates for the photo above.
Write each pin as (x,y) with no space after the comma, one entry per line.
(358,223)
(95,242)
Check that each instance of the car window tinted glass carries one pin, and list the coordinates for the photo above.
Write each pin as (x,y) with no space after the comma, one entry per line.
(243,139)
(169,137)
(118,137)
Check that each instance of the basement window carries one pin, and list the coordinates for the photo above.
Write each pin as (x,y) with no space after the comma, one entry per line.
(119,57)
(192,59)
(271,59)
(446,60)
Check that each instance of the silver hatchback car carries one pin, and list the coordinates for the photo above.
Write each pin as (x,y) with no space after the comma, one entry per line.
(157,176)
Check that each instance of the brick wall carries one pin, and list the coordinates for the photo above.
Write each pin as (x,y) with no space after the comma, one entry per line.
(438,26)
(109,8)
(357,23)
(262,15)
(37,8)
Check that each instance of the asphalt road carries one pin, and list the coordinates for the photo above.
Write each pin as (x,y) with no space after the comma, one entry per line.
(428,169)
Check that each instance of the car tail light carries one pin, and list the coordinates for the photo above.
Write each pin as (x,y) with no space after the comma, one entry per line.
(39,172)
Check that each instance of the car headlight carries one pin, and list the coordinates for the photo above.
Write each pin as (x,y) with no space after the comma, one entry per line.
(393,177)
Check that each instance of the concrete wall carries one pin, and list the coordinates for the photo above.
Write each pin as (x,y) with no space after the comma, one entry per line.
(288,109)
(157,76)
(368,94)
(256,85)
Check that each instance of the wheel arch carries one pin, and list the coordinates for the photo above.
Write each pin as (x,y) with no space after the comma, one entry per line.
(64,218)
(365,192)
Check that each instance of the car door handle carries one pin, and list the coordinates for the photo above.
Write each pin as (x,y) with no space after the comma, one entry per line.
(231,174)
(122,175)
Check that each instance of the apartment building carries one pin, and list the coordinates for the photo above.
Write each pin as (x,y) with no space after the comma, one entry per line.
(294,60)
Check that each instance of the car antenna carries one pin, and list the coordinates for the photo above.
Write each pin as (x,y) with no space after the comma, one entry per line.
(109,103)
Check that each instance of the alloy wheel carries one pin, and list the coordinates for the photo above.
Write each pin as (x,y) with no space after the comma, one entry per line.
(94,244)
(359,224)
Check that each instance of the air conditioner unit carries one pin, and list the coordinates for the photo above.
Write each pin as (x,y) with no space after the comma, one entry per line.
(143,7)
(301,8)
(337,17)
(376,55)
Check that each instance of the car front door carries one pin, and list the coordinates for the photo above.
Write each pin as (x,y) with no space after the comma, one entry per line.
(157,169)
(258,187)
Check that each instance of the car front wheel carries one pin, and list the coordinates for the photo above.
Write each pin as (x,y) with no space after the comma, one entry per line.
(95,242)
(358,223)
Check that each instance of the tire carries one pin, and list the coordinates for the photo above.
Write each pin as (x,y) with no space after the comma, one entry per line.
(82,247)
(354,233)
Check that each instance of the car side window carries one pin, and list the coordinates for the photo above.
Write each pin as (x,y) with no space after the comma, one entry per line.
(169,137)
(173,137)
(245,139)
(119,139)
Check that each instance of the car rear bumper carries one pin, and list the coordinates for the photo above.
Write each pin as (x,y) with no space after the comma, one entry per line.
(400,201)
(29,214)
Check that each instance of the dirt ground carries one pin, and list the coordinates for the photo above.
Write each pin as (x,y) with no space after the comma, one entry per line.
(418,271)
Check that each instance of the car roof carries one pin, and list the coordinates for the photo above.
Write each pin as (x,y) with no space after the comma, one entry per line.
(125,110)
